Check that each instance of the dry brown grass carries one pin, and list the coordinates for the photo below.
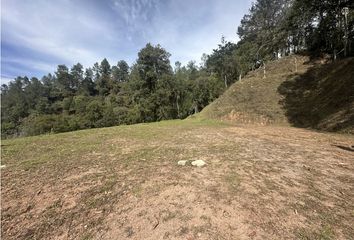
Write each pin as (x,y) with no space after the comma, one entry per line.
(124,183)
(319,95)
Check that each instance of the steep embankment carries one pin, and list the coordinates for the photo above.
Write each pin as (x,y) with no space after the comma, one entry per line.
(310,93)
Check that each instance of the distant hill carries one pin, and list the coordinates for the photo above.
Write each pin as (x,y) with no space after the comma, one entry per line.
(317,95)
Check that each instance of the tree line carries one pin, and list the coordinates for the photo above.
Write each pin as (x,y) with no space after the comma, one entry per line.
(104,95)
(152,90)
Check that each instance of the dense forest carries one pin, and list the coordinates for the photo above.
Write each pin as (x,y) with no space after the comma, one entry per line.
(152,90)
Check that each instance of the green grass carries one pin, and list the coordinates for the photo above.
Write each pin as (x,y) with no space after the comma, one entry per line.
(325,233)
(32,152)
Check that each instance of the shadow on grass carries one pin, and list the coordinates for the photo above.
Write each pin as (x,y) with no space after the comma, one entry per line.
(350,149)
(321,98)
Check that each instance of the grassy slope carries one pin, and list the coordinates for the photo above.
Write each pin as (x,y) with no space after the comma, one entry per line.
(124,183)
(318,95)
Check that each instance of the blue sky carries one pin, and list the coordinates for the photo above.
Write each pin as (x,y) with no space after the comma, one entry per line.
(38,35)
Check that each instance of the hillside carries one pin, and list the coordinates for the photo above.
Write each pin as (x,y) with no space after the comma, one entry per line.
(124,183)
(259,182)
(318,95)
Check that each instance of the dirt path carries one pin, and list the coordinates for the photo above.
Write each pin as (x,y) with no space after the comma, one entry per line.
(259,183)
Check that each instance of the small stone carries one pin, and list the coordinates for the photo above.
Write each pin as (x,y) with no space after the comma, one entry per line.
(2,166)
(182,162)
(198,163)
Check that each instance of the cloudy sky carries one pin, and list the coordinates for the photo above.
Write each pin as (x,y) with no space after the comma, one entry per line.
(38,35)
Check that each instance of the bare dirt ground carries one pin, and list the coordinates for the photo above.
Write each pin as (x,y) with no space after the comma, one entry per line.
(124,183)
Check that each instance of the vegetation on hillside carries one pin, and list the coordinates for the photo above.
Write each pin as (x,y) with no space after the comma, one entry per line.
(256,99)
(151,90)
(322,97)
(296,90)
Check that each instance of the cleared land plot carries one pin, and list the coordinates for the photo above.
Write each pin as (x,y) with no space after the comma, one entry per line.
(124,183)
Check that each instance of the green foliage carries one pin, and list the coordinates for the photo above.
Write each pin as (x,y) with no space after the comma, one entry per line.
(121,72)
(38,124)
(150,90)
(222,63)
(87,86)
(64,82)
(280,27)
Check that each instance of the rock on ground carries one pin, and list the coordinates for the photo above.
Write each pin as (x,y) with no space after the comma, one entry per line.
(198,163)
(182,162)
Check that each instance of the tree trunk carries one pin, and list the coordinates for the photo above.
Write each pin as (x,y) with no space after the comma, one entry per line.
(264,70)
(225,80)
(177,106)
(295,65)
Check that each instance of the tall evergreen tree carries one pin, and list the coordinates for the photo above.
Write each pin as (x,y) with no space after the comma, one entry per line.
(104,84)
(121,71)
(76,76)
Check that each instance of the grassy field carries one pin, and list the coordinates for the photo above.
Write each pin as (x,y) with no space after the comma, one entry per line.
(124,183)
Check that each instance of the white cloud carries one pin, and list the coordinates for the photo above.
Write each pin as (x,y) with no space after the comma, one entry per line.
(6,80)
(61,31)
(34,64)
(190,28)
(66,32)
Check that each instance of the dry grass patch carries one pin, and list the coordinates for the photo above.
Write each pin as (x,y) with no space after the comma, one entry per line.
(124,183)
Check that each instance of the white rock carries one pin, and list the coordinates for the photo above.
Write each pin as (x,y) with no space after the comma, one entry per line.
(182,162)
(198,163)
(2,166)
